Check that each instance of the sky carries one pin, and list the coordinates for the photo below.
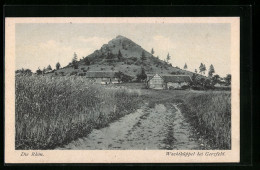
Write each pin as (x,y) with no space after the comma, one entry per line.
(39,44)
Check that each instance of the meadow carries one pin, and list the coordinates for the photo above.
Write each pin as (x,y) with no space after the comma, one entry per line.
(51,111)
(210,115)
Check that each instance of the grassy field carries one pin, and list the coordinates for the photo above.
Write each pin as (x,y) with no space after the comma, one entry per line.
(210,115)
(52,111)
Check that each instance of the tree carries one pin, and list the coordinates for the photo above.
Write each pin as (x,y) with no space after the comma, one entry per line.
(57,66)
(75,58)
(75,61)
(123,77)
(86,61)
(228,79)
(202,82)
(119,55)
(157,56)
(215,79)
(194,79)
(185,66)
(49,67)
(211,70)
(44,70)
(143,57)
(39,71)
(152,51)
(168,57)
(110,57)
(23,71)
(142,76)
(202,68)
(208,84)
(196,71)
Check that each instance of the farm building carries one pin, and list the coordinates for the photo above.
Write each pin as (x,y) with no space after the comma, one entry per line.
(102,77)
(157,81)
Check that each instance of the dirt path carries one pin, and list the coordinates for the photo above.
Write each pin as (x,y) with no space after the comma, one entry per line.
(162,127)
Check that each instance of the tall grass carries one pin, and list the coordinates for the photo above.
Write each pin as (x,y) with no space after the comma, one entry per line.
(50,111)
(210,114)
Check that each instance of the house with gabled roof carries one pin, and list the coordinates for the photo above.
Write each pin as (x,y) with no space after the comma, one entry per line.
(167,81)
(101,77)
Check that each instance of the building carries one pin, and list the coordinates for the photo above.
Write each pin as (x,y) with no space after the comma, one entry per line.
(102,77)
(163,81)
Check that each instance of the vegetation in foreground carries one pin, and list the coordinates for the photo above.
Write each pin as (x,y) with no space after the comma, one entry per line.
(210,115)
(53,111)
(209,112)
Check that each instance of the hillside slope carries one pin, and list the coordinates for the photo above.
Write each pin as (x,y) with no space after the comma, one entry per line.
(107,59)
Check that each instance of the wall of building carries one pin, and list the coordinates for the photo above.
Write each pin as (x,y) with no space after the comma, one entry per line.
(176,85)
(104,80)
(156,82)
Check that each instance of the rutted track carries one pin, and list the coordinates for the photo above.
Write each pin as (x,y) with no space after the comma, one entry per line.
(161,127)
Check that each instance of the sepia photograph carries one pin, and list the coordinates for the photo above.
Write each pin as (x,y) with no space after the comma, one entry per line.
(117,85)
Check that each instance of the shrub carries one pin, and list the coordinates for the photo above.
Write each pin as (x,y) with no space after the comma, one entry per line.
(82,74)
(73,73)
(185,87)
(123,77)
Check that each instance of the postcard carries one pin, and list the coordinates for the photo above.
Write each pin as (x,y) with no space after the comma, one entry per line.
(122,90)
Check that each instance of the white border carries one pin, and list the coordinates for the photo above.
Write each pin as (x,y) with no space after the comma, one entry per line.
(118,156)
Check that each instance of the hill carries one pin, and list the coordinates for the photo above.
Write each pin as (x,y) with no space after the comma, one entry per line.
(121,54)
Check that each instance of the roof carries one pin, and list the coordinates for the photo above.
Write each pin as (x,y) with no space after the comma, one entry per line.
(149,76)
(100,74)
(172,78)
(177,78)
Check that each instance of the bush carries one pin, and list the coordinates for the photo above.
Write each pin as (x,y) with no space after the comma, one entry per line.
(185,87)
(134,59)
(197,87)
(50,112)
(62,73)
(82,74)
(123,77)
